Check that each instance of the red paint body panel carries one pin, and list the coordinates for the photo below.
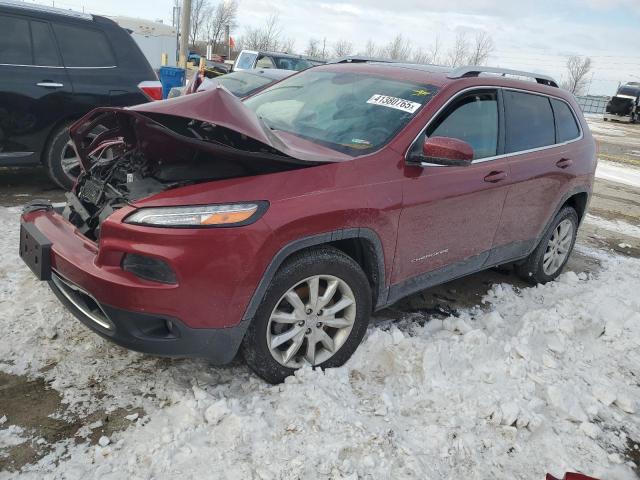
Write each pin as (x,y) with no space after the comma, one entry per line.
(452,212)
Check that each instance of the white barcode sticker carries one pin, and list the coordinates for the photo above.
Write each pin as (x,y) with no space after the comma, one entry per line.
(394,102)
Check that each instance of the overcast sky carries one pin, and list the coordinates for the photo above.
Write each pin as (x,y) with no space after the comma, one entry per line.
(534,35)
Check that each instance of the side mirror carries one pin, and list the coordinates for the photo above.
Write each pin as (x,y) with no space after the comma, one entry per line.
(447,151)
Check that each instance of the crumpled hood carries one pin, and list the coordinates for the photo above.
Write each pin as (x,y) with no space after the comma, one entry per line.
(218,107)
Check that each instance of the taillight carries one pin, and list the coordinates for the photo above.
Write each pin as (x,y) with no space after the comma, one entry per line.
(152,89)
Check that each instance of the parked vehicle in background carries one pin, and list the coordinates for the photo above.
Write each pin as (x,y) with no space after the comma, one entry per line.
(275,225)
(194,57)
(55,66)
(241,84)
(624,106)
(246,82)
(252,59)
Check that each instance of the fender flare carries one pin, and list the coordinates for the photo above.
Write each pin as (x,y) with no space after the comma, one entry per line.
(576,190)
(300,244)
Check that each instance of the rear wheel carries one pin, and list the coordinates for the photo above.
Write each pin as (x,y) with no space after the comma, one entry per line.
(315,312)
(63,165)
(552,253)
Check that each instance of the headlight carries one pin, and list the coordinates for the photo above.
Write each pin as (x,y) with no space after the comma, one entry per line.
(231,215)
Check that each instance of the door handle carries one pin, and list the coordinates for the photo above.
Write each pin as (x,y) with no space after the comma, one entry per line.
(496,176)
(50,84)
(564,163)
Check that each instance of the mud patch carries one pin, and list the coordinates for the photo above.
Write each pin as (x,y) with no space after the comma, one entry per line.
(37,409)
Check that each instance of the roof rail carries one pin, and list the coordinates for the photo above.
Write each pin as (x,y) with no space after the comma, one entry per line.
(359,59)
(43,8)
(475,71)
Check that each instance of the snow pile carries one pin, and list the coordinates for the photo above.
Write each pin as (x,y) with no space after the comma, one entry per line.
(10,437)
(537,380)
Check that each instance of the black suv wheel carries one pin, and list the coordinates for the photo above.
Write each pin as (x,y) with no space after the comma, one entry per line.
(63,165)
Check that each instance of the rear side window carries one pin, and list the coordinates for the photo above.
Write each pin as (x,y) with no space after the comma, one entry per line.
(565,121)
(473,119)
(44,45)
(15,41)
(265,62)
(84,47)
(529,121)
(246,60)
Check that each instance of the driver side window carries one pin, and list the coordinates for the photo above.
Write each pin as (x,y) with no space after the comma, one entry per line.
(472,118)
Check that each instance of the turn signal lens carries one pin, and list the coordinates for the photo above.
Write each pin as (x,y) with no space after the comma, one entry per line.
(224,218)
(199,215)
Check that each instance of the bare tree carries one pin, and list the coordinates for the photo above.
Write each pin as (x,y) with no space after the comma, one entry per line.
(577,70)
(286,45)
(200,11)
(267,37)
(342,48)
(397,49)
(434,51)
(459,53)
(313,48)
(370,49)
(420,56)
(481,49)
(224,14)
(316,48)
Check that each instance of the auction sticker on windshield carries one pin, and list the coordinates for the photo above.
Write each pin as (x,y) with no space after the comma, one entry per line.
(394,102)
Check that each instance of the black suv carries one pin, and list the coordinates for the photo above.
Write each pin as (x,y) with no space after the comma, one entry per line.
(55,66)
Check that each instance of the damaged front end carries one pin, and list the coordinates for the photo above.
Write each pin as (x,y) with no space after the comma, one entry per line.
(143,151)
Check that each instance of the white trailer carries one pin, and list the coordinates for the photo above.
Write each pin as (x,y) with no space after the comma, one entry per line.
(153,38)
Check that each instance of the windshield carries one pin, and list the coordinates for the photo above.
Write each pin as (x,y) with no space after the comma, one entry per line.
(288,63)
(631,91)
(353,113)
(241,84)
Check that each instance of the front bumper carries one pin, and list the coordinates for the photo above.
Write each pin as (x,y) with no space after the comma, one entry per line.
(202,315)
(145,332)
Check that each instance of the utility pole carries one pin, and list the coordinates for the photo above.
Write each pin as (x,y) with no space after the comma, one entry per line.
(227,35)
(185,28)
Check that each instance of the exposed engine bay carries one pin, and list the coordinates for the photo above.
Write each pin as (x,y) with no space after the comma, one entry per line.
(137,156)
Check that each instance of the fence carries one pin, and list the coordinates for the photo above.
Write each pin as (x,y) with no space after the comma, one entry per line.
(590,104)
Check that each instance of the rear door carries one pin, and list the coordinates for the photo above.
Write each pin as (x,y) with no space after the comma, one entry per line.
(541,167)
(450,214)
(34,88)
(90,61)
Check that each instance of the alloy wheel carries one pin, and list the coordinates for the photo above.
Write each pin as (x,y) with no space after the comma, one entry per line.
(311,321)
(70,161)
(558,247)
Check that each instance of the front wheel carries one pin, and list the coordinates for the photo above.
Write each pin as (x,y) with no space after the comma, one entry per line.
(315,312)
(552,253)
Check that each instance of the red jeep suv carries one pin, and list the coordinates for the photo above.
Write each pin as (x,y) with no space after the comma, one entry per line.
(276,225)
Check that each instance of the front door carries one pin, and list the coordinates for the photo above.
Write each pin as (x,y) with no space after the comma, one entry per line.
(451,213)
(34,88)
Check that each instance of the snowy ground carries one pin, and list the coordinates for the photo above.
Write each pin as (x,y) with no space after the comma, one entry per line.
(529,381)
(618,173)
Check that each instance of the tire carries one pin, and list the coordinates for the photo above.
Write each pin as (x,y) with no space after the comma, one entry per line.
(296,276)
(542,265)
(58,147)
